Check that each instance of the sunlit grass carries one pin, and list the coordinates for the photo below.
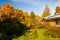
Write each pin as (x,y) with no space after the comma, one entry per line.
(35,34)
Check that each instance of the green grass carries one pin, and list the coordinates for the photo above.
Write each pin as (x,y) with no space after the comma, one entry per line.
(35,34)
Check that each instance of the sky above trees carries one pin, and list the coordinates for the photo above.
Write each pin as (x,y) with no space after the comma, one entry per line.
(33,5)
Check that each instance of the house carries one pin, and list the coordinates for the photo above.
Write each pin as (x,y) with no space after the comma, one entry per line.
(53,18)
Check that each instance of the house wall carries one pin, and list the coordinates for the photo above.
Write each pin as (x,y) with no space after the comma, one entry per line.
(58,22)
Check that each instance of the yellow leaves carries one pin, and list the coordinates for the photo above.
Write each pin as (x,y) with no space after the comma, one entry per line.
(14,11)
(6,8)
(29,20)
(25,13)
(53,24)
(37,18)
(28,24)
(9,12)
(5,11)
(13,16)
(46,12)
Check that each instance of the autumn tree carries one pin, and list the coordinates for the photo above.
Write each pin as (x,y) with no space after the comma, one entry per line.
(46,12)
(57,10)
(6,10)
(26,19)
(25,14)
(37,18)
(18,14)
(10,22)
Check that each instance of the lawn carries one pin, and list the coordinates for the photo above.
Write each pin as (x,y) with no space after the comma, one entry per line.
(35,34)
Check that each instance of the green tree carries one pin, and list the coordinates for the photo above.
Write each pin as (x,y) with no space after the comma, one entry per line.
(32,15)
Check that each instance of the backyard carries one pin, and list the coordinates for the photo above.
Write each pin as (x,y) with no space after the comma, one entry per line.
(35,34)
(16,24)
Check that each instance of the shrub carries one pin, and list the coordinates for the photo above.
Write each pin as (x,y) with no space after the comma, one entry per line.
(53,24)
(46,26)
(10,28)
(53,32)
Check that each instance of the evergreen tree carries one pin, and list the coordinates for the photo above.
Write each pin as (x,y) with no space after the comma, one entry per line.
(32,15)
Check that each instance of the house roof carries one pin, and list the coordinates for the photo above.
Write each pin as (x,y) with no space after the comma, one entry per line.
(53,16)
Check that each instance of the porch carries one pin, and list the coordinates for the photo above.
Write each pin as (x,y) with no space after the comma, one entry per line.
(54,18)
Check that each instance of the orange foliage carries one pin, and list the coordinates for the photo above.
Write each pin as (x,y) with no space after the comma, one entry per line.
(53,24)
(7,5)
(43,22)
(7,11)
(57,9)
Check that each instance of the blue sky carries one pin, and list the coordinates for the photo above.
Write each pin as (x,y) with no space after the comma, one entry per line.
(33,5)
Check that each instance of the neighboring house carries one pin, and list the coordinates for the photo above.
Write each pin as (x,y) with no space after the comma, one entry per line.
(53,18)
